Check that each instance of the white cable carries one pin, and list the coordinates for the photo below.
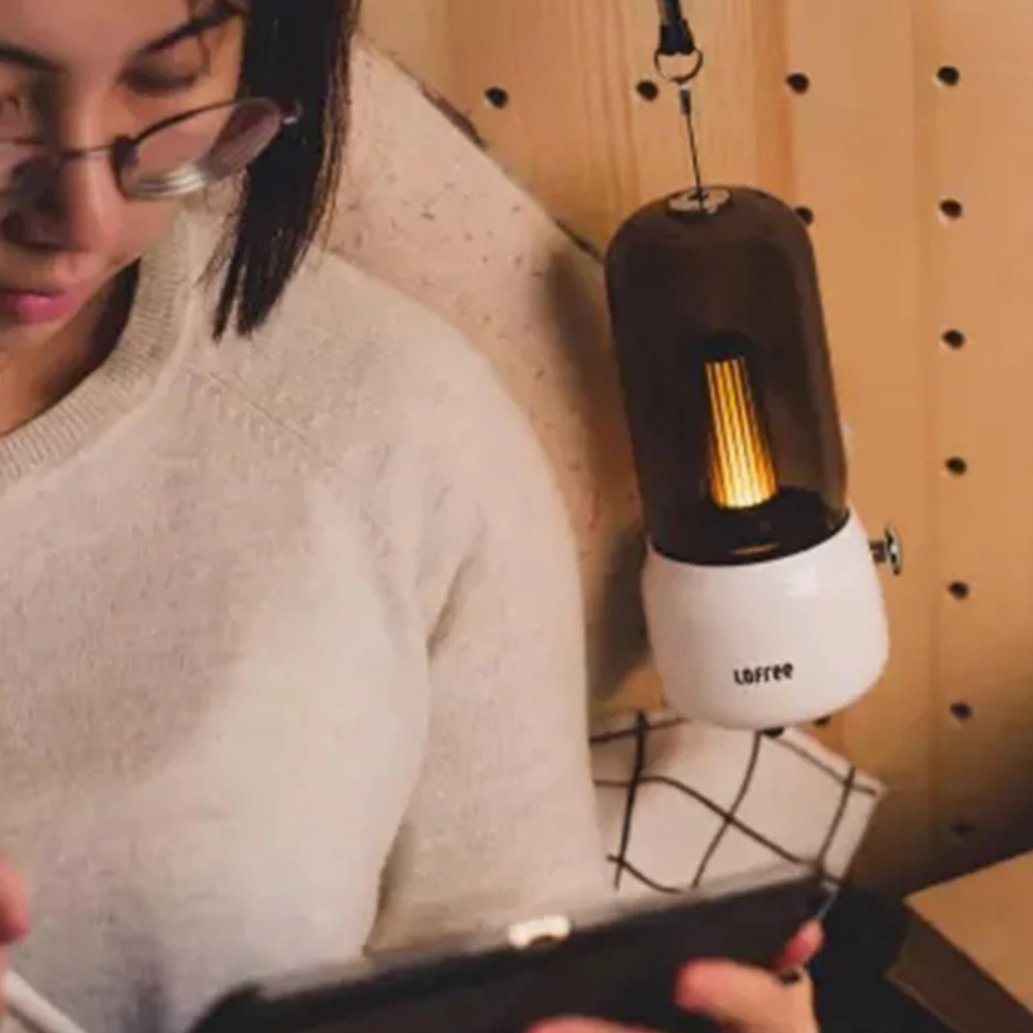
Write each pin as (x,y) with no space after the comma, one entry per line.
(32,1010)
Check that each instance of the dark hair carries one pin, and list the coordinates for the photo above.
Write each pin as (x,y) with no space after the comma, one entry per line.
(296,52)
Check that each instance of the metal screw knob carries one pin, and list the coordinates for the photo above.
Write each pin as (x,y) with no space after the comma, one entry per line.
(889,550)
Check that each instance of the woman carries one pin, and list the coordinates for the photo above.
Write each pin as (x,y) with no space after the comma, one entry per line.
(290,617)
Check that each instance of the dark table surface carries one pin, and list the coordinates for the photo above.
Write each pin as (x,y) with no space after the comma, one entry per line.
(865,934)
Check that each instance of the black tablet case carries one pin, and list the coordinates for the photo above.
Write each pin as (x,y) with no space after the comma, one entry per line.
(623,970)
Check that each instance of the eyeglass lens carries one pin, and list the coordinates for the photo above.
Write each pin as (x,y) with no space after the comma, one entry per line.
(195,152)
(180,158)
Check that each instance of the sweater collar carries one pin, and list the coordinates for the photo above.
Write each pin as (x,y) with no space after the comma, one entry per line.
(158,325)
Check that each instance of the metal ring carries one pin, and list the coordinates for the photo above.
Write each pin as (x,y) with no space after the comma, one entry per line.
(686,77)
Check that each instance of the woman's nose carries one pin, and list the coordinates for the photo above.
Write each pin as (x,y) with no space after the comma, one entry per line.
(82,211)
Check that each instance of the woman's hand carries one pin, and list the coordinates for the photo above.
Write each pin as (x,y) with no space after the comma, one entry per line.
(14,919)
(746,1000)
(741,1000)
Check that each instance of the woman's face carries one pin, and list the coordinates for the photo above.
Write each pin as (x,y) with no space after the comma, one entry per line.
(84,72)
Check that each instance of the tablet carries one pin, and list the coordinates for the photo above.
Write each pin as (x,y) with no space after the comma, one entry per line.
(618,964)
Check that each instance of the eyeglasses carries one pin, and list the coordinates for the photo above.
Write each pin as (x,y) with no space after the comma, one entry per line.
(177,157)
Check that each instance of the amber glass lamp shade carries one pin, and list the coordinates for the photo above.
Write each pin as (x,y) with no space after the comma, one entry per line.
(721,342)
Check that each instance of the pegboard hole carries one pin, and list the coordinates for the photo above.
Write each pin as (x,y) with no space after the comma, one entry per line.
(798,82)
(957,466)
(647,90)
(496,96)
(806,215)
(962,711)
(948,75)
(951,209)
(963,830)
(959,590)
(953,339)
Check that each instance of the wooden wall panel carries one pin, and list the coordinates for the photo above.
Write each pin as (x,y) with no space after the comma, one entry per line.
(872,147)
(980,274)
(855,167)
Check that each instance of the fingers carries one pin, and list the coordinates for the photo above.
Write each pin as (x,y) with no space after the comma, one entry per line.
(747,1000)
(14,919)
(803,948)
(743,1000)
(14,912)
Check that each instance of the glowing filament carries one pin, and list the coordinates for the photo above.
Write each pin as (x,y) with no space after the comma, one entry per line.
(742,471)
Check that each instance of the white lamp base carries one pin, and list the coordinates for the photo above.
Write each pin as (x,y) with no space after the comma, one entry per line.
(767,645)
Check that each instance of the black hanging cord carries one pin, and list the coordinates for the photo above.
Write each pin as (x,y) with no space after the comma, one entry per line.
(678,41)
(690,120)
(675,35)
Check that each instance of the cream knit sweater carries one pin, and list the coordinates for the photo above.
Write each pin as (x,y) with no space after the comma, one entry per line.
(292,651)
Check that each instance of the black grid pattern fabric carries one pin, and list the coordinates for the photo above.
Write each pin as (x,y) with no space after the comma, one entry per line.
(682,804)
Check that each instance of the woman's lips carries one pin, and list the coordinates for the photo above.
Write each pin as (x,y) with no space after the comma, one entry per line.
(34,307)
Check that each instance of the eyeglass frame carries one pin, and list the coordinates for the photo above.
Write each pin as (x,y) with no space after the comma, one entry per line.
(123,147)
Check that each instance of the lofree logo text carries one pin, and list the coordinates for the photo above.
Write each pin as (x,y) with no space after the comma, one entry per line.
(763,675)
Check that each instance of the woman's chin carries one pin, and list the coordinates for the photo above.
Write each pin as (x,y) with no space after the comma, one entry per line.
(18,336)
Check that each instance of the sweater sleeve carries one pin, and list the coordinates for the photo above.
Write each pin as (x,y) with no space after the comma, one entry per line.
(503,822)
